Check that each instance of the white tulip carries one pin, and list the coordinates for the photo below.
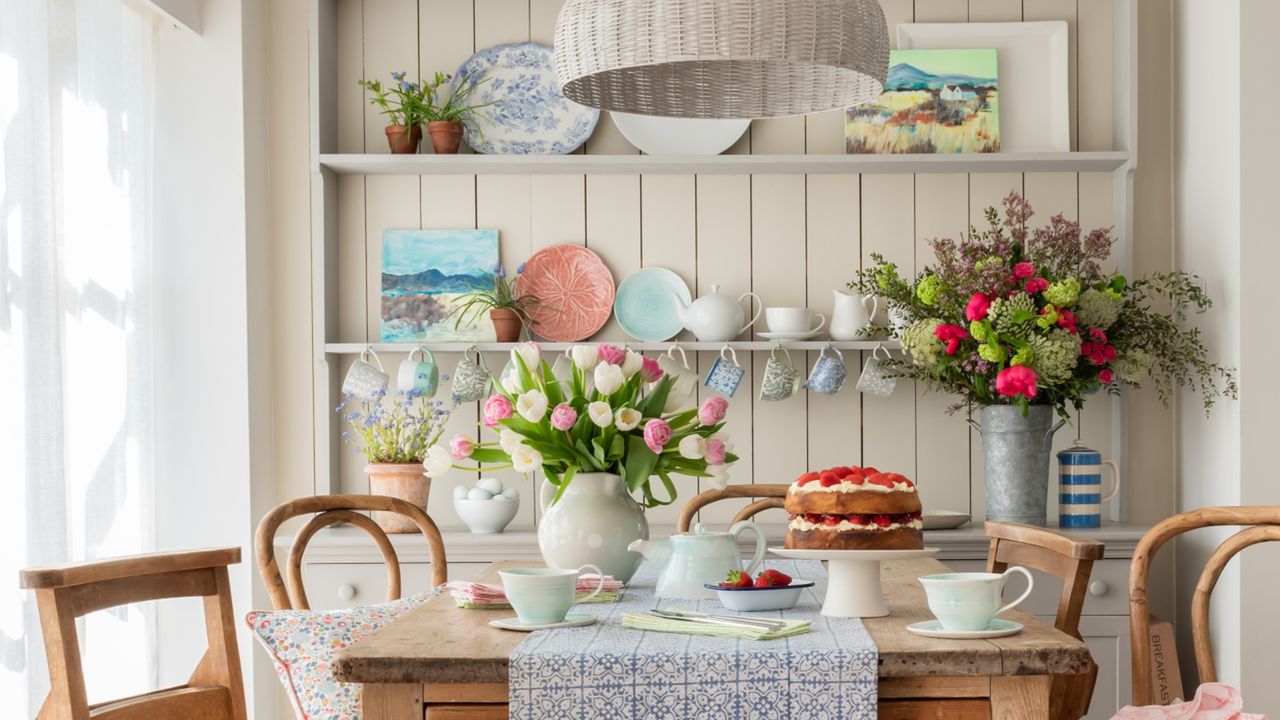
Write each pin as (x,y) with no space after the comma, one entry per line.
(530,353)
(511,380)
(609,378)
(438,462)
(719,479)
(600,413)
(585,357)
(532,405)
(632,364)
(509,440)
(627,419)
(693,447)
(526,459)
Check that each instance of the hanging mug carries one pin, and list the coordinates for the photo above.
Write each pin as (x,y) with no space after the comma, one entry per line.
(726,374)
(420,376)
(877,379)
(684,379)
(1080,495)
(562,368)
(366,379)
(471,378)
(829,372)
(781,379)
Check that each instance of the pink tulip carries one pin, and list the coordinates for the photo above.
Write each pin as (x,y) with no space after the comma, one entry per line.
(612,354)
(657,433)
(650,371)
(563,417)
(715,451)
(461,447)
(713,410)
(1017,380)
(496,408)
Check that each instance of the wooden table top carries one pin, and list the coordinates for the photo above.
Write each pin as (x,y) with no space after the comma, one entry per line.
(442,643)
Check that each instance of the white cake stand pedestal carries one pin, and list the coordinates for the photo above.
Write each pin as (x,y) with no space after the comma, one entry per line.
(853,585)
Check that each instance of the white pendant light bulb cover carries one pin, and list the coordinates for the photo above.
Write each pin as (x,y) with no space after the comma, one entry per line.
(721,58)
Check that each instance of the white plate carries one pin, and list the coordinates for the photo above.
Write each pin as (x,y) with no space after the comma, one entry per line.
(945,520)
(679,136)
(997,628)
(570,620)
(790,336)
(1035,113)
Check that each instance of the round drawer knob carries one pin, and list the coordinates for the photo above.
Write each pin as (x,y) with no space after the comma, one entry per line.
(346,592)
(1098,588)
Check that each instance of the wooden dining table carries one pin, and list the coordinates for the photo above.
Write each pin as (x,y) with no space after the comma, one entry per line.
(441,661)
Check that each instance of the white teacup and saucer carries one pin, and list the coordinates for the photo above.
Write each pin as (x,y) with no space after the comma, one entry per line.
(967,604)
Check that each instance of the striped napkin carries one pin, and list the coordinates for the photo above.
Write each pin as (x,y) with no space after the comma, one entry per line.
(479,596)
(645,621)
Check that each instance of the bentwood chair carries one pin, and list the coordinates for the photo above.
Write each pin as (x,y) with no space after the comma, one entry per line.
(1070,559)
(215,690)
(1263,526)
(331,509)
(770,496)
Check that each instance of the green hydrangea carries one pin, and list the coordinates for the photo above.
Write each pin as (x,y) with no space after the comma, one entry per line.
(1048,317)
(992,352)
(1063,293)
(928,289)
(1098,309)
(885,275)
(1054,356)
(1132,365)
(1012,316)
(990,262)
(919,342)
(1022,357)
(980,330)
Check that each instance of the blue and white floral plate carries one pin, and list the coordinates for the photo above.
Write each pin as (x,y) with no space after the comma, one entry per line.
(529,115)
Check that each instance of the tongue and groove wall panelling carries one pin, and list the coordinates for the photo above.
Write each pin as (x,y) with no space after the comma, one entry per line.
(1096,419)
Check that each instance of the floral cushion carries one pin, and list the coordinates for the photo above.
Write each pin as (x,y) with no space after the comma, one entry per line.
(304,645)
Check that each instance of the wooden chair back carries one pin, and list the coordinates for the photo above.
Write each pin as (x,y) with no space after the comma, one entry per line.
(331,509)
(1263,526)
(771,496)
(215,690)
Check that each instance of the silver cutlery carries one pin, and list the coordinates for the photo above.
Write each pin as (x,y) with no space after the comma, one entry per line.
(735,620)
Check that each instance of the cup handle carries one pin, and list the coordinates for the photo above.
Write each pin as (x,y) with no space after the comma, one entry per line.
(684,359)
(732,353)
(598,587)
(758,556)
(1030,583)
(759,309)
(822,321)
(1115,475)
(875,307)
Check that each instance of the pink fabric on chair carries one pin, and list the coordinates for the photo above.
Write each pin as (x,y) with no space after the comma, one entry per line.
(1213,701)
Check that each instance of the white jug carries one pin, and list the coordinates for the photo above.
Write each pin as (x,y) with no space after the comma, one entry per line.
(851,313)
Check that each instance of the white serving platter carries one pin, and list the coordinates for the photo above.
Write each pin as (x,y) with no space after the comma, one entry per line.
(853,587)
(1032,65)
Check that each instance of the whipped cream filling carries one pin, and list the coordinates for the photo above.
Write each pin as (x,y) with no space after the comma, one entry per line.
(848,487)
(845,526)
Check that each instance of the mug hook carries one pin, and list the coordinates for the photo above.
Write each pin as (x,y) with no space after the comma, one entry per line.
(733,355)
(684,359)
(367,353)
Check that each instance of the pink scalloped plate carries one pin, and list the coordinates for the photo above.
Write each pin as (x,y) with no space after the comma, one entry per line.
(574,291)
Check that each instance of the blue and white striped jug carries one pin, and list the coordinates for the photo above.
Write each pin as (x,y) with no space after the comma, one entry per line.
(1080,495)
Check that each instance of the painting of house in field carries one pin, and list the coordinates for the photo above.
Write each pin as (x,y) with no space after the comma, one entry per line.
(424,272)
(935,101)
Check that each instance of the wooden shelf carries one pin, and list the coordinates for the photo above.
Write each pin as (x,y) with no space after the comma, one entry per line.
(745,346)
(352,164)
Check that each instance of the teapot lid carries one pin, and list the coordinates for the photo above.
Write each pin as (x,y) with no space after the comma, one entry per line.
(700,530)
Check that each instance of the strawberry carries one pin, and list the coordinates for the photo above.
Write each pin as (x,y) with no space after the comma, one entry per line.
(831,519)
(807,478)
(860,520)
(736,578)
(882,479)
(841,472)
(763,581)
(777,578)
(856,478)
(828,478)
(883,521)
(869,471)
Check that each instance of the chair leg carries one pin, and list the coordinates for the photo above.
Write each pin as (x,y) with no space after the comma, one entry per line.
(1070,695)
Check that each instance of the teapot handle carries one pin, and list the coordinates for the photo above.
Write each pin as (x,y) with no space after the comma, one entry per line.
(758,556)
(759,309)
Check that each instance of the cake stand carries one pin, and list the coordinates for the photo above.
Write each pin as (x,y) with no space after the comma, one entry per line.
(853,585)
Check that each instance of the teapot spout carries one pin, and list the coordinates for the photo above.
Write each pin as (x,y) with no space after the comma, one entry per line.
(682,307)
(655,550)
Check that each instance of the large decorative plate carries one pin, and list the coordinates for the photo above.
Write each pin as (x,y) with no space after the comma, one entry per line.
(646,306)
(574,291)
(529,115)
(679,136)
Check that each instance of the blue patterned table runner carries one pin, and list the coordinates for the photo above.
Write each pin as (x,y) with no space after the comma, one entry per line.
(608,671)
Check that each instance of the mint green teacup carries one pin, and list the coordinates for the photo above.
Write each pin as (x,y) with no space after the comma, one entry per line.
(542,596)
(969,601)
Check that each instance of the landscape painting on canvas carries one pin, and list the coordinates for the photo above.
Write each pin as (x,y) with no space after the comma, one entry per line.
(934,101)
(424,272)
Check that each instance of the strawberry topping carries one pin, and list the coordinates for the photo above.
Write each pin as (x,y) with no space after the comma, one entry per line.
(827,479)
(842,472)
(807,478)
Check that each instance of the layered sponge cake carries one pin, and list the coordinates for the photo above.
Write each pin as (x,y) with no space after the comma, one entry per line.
(853,508)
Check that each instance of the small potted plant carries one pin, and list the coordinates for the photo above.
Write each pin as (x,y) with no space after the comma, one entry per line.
(405,105)
(508,311)
(444,120)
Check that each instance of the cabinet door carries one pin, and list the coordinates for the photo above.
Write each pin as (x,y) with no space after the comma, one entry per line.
(1108,639)
(331,586)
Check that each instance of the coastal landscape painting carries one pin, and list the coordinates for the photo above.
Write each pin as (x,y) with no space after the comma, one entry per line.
(935,101)
(424,272)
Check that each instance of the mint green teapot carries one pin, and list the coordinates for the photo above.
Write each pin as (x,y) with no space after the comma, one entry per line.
(688,561)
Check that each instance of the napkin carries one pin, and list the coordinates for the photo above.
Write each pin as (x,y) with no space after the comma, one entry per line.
(1213,701)
(645,621)
(473,595)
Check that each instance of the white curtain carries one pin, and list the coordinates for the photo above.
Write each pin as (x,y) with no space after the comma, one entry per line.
(75,378)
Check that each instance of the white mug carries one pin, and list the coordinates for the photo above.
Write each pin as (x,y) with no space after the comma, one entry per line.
(793,320)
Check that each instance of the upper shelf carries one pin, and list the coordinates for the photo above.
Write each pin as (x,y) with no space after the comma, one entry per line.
(470,164)
(690,345)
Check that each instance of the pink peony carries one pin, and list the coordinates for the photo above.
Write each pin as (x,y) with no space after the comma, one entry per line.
(496,408)
(951,335)
(612,354)
(461,447)
(978,306)
(1024,270)
(563,417)
(1037,285)
(1098,336)
(1106,377)
(713,410)
(715,451)
(1017,380)
(650,371)
(1067,321)
(657,433)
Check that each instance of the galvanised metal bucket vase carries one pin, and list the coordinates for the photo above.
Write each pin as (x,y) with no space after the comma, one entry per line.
(1017,451)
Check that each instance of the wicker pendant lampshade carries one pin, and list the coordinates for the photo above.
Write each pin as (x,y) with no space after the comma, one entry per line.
(721,58)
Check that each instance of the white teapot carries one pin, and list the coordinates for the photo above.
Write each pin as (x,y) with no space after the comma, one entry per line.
(716,317)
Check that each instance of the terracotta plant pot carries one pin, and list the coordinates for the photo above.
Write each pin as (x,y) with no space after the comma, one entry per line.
(506,323)
(401,142)
(446,136)
(406,481)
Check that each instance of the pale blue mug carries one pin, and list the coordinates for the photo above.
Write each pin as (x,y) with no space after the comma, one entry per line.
(543,596)
(969,601)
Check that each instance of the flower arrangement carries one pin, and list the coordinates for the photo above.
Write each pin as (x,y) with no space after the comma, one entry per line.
(1016,316)
(413,103)
(503,295)
(402,430)
(612,415)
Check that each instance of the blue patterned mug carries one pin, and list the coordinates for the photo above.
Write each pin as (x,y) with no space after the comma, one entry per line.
(726,374)
(421,376)
(471,378)
(829,372)
(1080,495)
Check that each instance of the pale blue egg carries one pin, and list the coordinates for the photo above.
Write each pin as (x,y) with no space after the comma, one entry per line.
(491,485)
(479,494)
(460,491)
(511,494)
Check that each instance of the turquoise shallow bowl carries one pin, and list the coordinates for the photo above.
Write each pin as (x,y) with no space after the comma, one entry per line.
(645,304)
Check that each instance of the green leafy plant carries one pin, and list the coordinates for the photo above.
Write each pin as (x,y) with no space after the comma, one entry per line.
(503,295)
(413,103)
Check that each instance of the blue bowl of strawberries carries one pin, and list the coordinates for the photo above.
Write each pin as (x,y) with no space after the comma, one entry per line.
(770,590)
